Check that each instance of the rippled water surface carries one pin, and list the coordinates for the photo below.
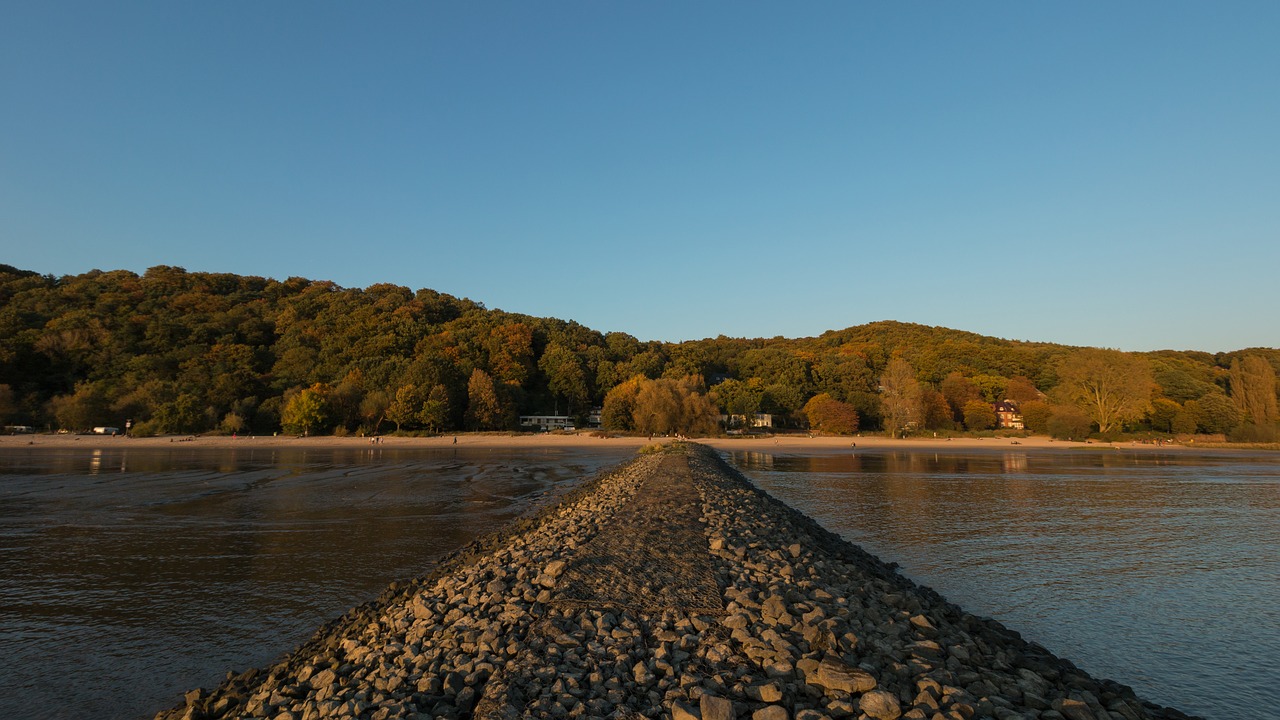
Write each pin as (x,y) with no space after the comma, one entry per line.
(1160,571)
(128,577)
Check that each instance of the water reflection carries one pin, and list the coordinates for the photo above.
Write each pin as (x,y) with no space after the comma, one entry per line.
(1122,561)
(130,576)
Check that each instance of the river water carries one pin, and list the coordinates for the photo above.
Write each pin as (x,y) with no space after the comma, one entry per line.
(1161,571)
(128,577)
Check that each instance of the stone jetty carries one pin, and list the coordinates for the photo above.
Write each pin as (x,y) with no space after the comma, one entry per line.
(668,587)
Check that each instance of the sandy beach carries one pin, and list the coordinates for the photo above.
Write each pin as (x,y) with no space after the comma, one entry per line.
(796,443)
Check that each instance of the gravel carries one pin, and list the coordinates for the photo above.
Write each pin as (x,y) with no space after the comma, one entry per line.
(668,587)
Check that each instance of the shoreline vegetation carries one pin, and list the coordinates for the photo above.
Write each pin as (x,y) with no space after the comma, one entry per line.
(669,587)
(174,352)
(785,443)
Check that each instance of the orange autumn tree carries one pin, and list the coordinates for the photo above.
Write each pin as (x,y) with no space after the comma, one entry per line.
(828,415)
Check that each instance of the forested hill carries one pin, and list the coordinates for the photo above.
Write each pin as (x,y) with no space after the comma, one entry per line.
(191,352)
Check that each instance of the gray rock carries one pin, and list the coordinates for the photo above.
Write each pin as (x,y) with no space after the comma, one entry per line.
(775,607)
(768,692)
(835,674)
(681,711)
(1074,709)
(772,712)
(880,705)
(323,678)
(715,708)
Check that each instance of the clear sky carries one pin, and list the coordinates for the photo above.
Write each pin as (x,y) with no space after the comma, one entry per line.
(1090,173)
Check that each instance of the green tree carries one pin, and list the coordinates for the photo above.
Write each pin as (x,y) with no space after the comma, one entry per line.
(1217,414)
(1187,420)
(1035,416)
(346,398)
(899,396)
(566,378)
(1253,389)
(182,414)
(304,410)
(87,407)
(738,399)
(1163,411)
(781,399)
(373,409)
(435,411)
(992,387)
(1180,380)
(828,415)
(232,423)
(406,408)
(979,415)
(1110,386)
(1068,422)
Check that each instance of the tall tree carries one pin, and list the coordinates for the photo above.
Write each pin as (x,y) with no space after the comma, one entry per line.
(620,403)
(435,411)
(1110,386)
(1253,389)
(406,408)
(935,412)
(565,377)
(739,400)
(959,390)
(828,415)
(83,409)
(666,406)
(484,407)
(304,411)
(1163,411)
(1217,414)
(979,415)
(511,352)
(899,396)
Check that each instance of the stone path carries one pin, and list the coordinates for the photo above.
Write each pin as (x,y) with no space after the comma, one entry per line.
(652,555)
(669,587)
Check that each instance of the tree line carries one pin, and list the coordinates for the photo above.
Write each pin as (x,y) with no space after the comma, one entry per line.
(187,352)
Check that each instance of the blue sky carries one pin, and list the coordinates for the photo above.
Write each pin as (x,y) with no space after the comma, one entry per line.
(1086,173)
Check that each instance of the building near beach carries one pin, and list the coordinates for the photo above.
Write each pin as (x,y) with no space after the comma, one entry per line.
(1008,416)
(546,422)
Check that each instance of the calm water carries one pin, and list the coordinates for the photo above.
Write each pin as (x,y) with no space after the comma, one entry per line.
(129,577)
(1160,571)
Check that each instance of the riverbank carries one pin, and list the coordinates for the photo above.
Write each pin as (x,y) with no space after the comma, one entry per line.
(668,587)
(793,443)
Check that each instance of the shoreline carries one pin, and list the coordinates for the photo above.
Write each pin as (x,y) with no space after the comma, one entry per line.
(670,587)
(790,443)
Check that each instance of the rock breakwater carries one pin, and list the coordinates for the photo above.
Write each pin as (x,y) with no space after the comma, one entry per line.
(669,587)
